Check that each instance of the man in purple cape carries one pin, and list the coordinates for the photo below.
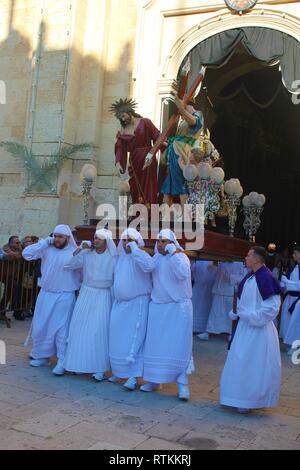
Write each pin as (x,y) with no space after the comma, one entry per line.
(252,373)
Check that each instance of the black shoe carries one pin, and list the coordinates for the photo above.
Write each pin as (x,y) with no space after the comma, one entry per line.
(28,313)
(19,316)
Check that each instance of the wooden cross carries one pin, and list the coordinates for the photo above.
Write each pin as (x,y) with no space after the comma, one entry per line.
(182,94)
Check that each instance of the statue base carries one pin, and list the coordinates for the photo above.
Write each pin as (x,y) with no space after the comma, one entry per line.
(215,246)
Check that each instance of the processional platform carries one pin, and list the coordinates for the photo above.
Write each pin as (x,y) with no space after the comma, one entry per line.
(215,246)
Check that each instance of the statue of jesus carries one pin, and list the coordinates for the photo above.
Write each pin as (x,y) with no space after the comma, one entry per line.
(135,139)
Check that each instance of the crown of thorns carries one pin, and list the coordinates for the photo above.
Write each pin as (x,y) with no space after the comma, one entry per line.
(123,106)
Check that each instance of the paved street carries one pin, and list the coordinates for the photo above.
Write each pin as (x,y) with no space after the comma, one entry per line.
(41,411)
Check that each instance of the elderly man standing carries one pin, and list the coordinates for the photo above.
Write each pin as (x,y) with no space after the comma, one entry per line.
(168,348)
(129,316)
(56,299)
(13,277)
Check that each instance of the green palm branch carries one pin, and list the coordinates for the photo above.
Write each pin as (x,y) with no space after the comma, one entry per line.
(43,172)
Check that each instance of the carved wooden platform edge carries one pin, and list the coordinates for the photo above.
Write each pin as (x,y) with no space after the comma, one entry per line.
(216,246)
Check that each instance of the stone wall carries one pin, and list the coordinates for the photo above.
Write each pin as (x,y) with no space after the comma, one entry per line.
(65,61)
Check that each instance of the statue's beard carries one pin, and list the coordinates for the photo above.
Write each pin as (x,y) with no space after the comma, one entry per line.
(125,122)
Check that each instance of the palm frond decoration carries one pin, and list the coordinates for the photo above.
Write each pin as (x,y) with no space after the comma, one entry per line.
(41,175)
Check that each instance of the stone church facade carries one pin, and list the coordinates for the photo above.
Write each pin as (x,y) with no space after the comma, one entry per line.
(62,63)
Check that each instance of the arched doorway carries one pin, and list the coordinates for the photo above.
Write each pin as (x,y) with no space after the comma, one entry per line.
(255,126)
(271,172)
(272,19)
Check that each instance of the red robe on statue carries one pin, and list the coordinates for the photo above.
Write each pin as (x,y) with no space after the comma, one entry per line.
(143,183)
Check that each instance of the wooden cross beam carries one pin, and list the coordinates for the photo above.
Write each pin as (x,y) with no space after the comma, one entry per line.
(186,96)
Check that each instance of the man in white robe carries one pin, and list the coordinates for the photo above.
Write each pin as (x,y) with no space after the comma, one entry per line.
(56,300)
(203,275)
(87,350)
(228,275)
(290,315)
(129,315)
(252,373)
(168,349)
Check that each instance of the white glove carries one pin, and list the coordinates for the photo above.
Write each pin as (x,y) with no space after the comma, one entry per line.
(49,240)
(284,279)
(148,160)
(85,242)
(119,169)
(170,248)
(132,245)
(232,315)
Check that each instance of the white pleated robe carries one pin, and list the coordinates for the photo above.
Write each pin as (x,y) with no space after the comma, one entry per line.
(129,315)
(168,349)
(228,275)
(87,349)
(55,302)
(251,376)
(292,285)
(204,275)
(291,321)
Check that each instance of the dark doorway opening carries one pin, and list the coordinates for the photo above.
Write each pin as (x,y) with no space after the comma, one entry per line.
(256,128)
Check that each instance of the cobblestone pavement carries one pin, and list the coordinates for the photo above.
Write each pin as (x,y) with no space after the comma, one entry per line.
(41,411)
